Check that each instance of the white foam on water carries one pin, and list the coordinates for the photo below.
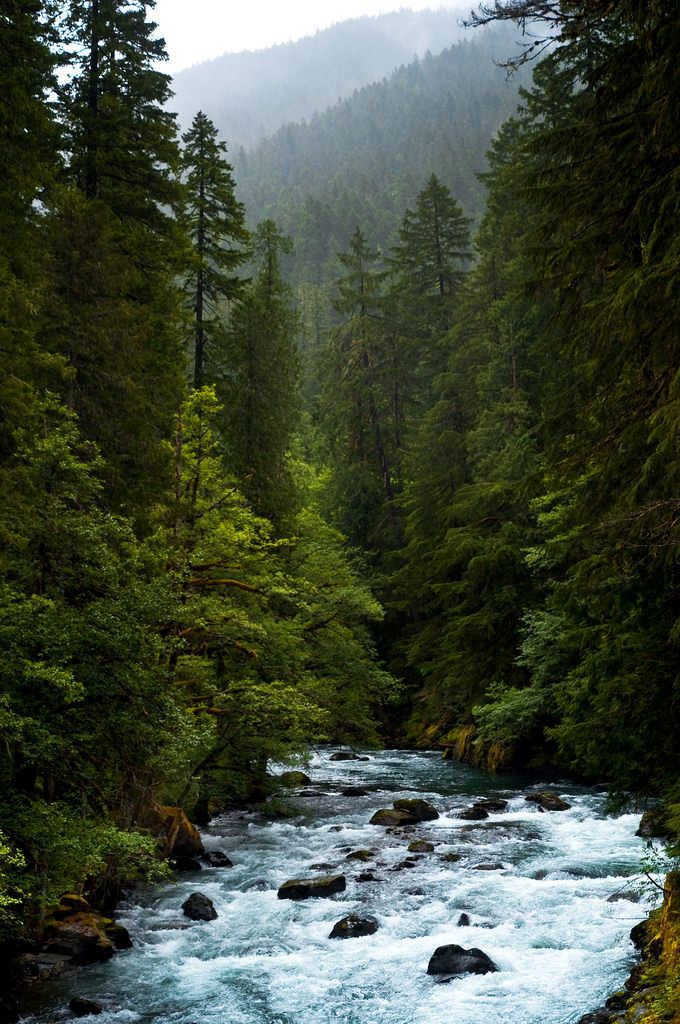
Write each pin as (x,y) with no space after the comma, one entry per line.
(543,918)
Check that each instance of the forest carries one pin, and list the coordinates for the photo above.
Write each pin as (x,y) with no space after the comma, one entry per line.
(399,471)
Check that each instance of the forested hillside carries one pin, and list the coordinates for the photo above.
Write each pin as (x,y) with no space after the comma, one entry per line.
(249,95)
(462,530)
(175,609)
(365,159)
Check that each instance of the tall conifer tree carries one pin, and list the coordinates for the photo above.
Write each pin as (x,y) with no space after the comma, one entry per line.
(215,223)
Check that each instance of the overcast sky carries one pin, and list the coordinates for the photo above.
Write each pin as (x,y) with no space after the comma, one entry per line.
(197,30)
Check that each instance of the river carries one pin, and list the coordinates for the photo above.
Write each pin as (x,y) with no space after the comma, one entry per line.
(543,918)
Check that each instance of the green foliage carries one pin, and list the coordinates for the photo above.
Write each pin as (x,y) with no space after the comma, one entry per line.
(258,380)
(10,861)
(63,851)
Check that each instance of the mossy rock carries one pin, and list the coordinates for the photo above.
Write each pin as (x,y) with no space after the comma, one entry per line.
(294,779)
(420,810)
(308,888)
(390,816)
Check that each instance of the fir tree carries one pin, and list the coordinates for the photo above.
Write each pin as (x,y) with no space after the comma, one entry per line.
(261,380)
(215,223)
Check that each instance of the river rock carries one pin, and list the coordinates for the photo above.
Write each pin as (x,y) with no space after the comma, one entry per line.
(217,859)
(391,816)
(367,876)
(548,801)
(346,755)
(360,855)
(452,961)
(420,810)
(306,888)
(180,837)
(639,934)
(294,779)
(354,791)
(489,867)
(463,921)
(81,937)
(598,1017)
(354,927)
(653,824)
(185,864)
(198,907)
(80,1007)
(618,897)
(420,846)
(40,966)
(493,804)
(451,858)
(70,904)
(119,935)
(473,813)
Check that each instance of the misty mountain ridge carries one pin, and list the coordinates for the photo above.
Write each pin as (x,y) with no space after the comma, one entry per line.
(251,94)
(363,160)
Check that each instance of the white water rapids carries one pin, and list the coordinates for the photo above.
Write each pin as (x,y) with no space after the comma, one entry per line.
(544,919)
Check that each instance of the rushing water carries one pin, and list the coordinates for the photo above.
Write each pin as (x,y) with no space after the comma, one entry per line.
(544,919)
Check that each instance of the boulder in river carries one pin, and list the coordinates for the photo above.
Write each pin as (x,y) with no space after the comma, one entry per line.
(453,961)
(360,855)
(198,907)
(354,791)
(217,859)
(294,779)
(496,866)
(451,858)
(640,934)
(463,921)
(618,897)
(346,755)
(81,937)
(474,813)
(420,810)
(185,864)
(548,800)
(367,876)
(80,1007)
(492,804)
(653,824)
(354,927)
(307,888)
(390,816)
(420,846)
(181,838)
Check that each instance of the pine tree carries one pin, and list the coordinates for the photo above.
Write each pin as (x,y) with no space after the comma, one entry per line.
(113,248)
(260,385)
(358,402)
(428,269)
(28,165)
(215,223)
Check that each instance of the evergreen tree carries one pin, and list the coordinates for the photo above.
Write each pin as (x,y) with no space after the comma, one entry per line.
(113,249)
(215,223)
(356,402)
(28,164)
(260,385)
